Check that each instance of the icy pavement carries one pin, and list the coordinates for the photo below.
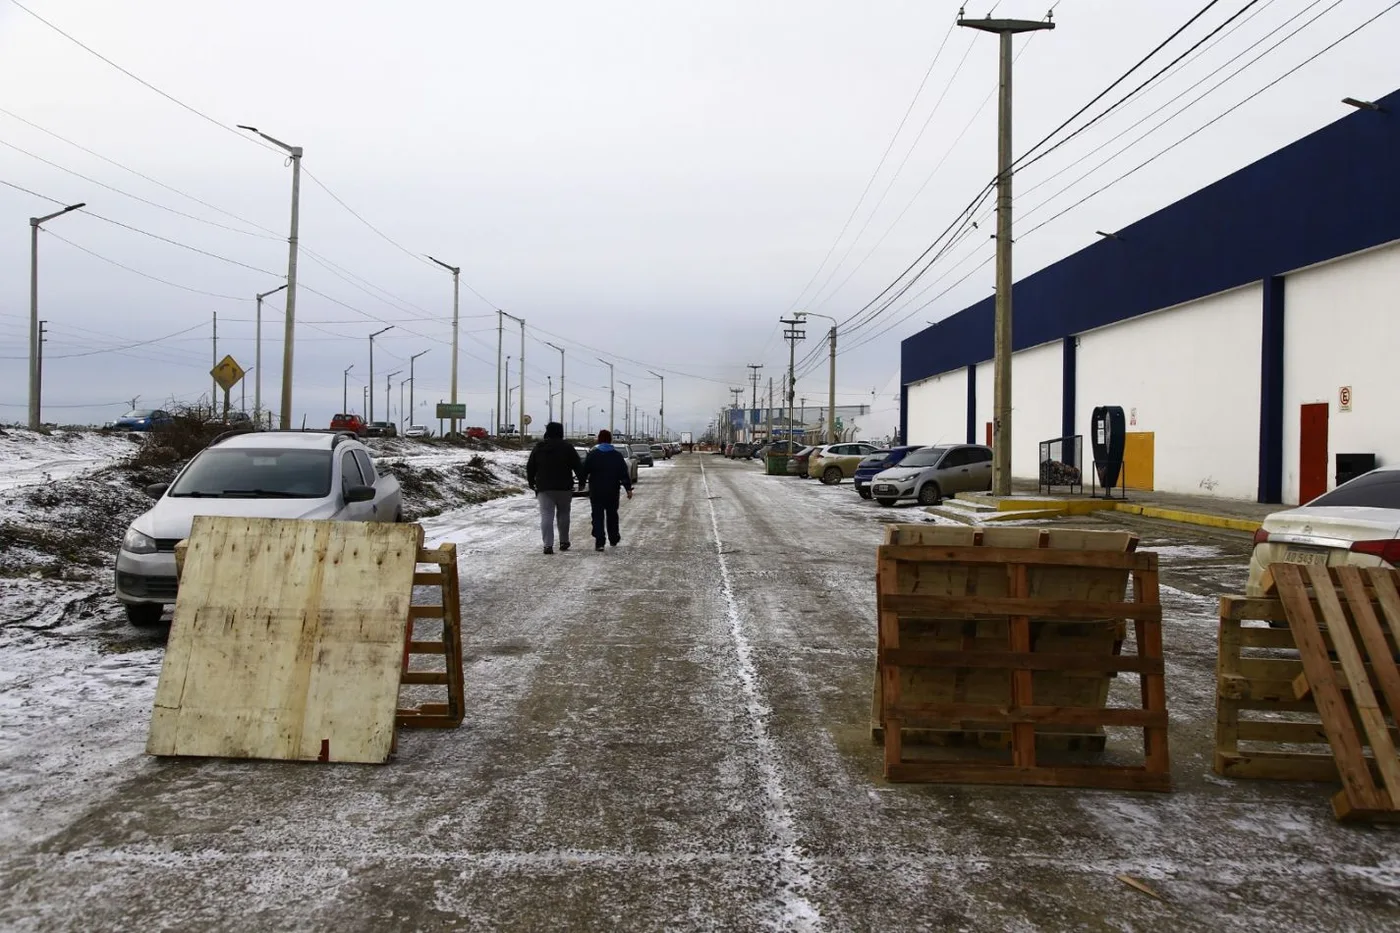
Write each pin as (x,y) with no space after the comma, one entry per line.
(670,736)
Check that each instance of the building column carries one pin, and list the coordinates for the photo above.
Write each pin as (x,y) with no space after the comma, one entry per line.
(904,414)
(1068,382)
(1271,393)
(972,404)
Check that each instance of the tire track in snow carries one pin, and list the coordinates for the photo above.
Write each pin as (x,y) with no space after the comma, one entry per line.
(794,869)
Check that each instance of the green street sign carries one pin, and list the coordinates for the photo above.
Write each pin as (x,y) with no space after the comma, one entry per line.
(446,410)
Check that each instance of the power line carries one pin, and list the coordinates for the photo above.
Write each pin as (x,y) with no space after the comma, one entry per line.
(144,275)
(130,346)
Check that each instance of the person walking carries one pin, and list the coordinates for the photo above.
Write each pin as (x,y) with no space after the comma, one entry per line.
(550,472)
(607,474)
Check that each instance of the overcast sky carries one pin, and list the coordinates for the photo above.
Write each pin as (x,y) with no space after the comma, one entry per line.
(657,181)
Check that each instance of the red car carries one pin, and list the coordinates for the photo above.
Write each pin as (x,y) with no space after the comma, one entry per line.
(352,423)
(478,433)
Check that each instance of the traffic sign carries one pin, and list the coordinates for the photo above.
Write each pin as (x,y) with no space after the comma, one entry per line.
(446,410)
(1344,399)
(527,419)
(227,373)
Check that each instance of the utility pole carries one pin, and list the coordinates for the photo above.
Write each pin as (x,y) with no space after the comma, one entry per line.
(831,401)
(611,393)
(214,358)
(561,378)
(35,382)
(43,331)
(344,391)
(389,385)
(662,412)
(753,378)
(794,331)
(1001,392)
(627,415)
(500,346)
(519,425)
(412,385)
(456,290)
(403,422)
(738,395)
(505,411)
(550,400)
(770,412)
(257,351)
(295,152)
(369,396)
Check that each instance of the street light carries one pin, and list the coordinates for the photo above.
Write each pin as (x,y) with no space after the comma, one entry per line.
(561,377)
(456,280)
(662,413)
(1362,104)
(389,384)
(344,390)
(627,415)
(295,153)
(573,412)
(611,392)
(412,385)
(370,413)
(257,352)
(831,401)
(35,388)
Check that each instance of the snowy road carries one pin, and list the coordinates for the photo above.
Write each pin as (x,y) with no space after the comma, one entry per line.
(671,736)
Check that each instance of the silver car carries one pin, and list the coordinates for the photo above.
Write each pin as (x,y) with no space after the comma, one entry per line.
(274,474)
(929,474)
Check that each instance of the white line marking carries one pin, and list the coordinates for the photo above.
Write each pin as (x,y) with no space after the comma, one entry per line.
(795,869)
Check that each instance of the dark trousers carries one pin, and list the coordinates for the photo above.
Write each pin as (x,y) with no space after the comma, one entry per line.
(605,513)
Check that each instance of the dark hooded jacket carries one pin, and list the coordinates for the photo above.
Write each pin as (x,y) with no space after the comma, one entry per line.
(607,473)
(554,463)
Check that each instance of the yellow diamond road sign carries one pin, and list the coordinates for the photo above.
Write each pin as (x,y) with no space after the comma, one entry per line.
(228,373)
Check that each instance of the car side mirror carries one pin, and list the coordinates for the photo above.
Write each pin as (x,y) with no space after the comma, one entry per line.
(359,494)
(156,490)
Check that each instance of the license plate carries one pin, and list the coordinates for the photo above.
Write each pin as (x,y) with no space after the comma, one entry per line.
(1301,555)
(889,490)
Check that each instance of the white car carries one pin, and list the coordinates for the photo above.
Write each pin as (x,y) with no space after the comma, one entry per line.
(416,430)
(269,474)
(1356,524)
(930,473)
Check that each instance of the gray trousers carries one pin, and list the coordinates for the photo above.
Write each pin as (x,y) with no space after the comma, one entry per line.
(554,506)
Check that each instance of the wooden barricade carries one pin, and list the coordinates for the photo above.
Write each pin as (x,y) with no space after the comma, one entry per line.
(1344,695)
(1016,632)
(448,646)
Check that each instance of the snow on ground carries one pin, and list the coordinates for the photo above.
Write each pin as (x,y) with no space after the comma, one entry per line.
(28,458)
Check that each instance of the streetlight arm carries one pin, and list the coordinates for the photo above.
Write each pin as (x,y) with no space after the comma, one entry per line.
(36,221)
(273,292)
(294,150)
(455,270)
(384,331)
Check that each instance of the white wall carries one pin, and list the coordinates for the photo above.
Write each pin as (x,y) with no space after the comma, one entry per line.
(938,408)
(1037,389)
(1189,374)
(1342,328)
(986,393)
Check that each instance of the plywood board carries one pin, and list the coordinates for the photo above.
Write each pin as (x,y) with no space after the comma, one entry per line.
(288,641)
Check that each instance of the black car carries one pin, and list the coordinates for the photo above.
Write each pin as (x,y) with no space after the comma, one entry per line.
(381,429)
(643,454)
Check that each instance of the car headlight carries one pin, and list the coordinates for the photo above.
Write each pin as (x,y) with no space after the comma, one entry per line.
(136,542)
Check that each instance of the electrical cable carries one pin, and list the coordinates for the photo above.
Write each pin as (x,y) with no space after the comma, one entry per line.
(144,275)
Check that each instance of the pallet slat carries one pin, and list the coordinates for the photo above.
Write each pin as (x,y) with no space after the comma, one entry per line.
(437,715)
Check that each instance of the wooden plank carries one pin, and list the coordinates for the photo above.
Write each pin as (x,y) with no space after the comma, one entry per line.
(287,641)
(432,678)
(1276,766)
(425,612)
(1026,660)
(1153,686)
(1114,778)
(427,647)
(1057,715)
(442,555)
(974,607)
(452,637)
(1354,665)
(1383,582)
(1019,640)
(1230,688)
(1040,557)
(427,579)
(1256,636)
(889,673)
(1331,706)
(1288,733)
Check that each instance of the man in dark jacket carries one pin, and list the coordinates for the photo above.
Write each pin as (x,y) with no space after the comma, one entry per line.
(607,474)
(550,471)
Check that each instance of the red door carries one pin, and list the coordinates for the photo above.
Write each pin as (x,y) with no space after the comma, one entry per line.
(989,434)
(1312,453)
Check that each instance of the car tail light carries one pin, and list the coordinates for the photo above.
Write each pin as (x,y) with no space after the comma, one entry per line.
(1261,537)
(1387,549)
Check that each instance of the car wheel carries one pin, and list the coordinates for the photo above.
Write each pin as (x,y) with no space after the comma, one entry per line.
(831,475)
(930,494)
(865,492)
(887,503)
(144,615)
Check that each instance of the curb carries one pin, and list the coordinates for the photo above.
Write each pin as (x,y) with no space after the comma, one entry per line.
(1247,525)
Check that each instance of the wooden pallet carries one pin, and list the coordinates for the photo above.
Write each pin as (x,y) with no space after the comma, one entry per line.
(447,646)
(979,637)
(1345,694)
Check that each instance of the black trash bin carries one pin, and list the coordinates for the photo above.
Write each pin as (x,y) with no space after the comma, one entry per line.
(1350,466)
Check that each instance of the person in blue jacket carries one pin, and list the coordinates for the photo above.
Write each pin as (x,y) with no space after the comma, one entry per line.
(606,474)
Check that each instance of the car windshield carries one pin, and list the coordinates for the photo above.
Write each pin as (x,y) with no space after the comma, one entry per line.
(279,474)
(1378,490)
(929,456)
(140,413)
(641,448)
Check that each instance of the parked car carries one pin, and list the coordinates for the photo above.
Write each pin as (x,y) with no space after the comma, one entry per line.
(876,463)
(581,491)
(346,422)
(381,429)
(797,464)
(835,462)
(142,419)
(479,434)
(264,474)
(930,473)
(660,450)
(643,454)
(1357,524)
(416,430)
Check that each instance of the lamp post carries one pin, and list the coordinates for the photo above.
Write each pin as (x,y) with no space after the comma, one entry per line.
(389,384)
(344,390)
(831,399)
(627,413)
(35,377)
(611,392)
(370,412)
(412,384)
(257,350)
(504,411)
(456,282)
(561,377)
(403,421)
(295,153)
(662,412)
(573,412)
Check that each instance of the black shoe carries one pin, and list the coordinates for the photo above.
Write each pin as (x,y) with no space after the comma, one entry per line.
(549,550)
(599,547)
(617,542)
(565,546)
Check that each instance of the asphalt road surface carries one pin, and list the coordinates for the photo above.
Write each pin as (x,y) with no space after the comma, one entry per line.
(673,735)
